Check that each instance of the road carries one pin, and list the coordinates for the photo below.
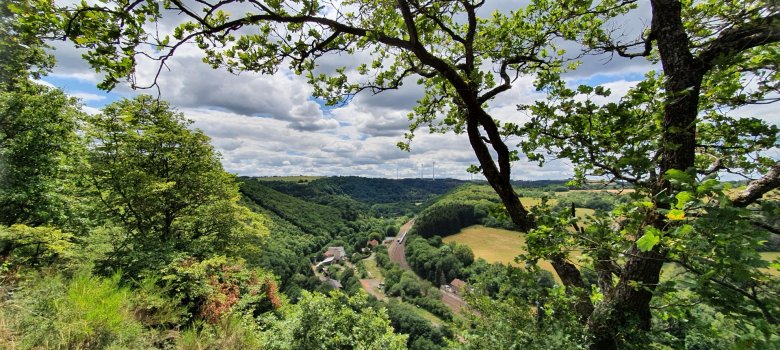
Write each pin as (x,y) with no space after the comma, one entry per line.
(398,255)
(396,250)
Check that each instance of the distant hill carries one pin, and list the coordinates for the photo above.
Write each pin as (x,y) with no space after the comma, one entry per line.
(311,218)
(385,197)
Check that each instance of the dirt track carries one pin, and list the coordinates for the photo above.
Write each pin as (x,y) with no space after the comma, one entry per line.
(453,301)
(372,287)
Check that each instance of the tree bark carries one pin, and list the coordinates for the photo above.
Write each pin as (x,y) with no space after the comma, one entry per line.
(759,187)
(629,304)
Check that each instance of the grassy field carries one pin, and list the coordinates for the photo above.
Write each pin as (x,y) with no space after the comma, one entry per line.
(371,267)
(530,201)
(771,256)
(425,314)
(494,245)
(613,191)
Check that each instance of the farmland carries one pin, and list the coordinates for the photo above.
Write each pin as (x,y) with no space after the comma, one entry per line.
(494,245)
(771,256)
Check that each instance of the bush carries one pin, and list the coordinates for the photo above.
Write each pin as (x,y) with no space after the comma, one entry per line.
(434,306)
(231,332)
(212,288)
(87,312)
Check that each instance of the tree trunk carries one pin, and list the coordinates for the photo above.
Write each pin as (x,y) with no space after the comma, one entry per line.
(629,304)
(499,180)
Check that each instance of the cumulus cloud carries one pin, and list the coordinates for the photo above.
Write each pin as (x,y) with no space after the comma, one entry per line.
(271,125)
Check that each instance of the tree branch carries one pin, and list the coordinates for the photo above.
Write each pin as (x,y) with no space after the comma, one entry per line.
(732,41)
(758,188)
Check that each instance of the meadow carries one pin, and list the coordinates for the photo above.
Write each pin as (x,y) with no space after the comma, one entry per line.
(494,245)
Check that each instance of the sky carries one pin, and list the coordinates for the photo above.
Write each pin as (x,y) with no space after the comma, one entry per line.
(270,125)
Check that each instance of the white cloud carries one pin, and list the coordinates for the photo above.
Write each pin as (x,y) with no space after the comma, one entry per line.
(271,125)
(87,96)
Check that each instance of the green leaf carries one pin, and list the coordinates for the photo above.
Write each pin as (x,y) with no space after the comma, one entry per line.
(648,240)
(678,176)
(684,230)
(683,198)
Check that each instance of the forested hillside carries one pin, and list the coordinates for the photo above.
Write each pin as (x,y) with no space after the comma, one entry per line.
(384,197)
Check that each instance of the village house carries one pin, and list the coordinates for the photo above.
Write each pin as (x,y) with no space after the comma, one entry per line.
(370,245)
(456,286)
(337,253)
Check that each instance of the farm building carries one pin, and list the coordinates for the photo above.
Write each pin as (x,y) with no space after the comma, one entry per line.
(459,287)
(337,253)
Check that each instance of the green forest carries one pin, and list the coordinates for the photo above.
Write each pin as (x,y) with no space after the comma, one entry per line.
(120,227)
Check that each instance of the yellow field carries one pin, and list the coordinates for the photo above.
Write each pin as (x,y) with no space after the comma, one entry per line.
(613,191)
(771,256)
(530,202)
(583,212)
(494,245)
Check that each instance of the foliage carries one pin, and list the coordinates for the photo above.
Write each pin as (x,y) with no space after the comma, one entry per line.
(164,184)
(406,321)
(432,303)
(444,219)
(437,262)
(24,245)
(21,44)
(39,149)
(213,288)
(592,200)
(670,136)
(85,312)
(498,281)
(311,218)
(514,324)
(230,332)
(692,325)
(336,321)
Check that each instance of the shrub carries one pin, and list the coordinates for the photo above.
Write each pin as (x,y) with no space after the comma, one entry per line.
(230,332)
(212,288)
(87,312)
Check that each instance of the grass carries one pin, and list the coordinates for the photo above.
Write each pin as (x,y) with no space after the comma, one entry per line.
(425,314)
(371,267)
(496,245)
(771,256)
